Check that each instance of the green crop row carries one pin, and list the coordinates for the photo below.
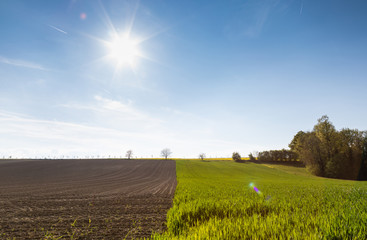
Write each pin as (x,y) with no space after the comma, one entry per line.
(227,200)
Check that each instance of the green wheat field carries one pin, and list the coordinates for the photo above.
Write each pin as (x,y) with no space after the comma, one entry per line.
(218,200)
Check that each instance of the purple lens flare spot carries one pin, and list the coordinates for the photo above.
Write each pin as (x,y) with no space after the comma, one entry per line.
(255,188)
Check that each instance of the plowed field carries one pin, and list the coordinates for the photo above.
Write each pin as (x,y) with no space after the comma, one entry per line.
(84,199)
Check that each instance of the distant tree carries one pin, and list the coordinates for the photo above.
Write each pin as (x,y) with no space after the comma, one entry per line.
(325,131)
(236,157)
(295,144)
(348,154)
(129,154)
(311,153)
(251,157)
(363,170)
(202,156)
(166,153)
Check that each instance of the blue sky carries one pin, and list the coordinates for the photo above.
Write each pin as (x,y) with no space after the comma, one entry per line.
(207,76)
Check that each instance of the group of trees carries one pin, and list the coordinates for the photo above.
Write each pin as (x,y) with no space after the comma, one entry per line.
(331,153)
(276,156)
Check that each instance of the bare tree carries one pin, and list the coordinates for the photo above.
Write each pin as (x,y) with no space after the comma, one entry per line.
(202,156)
(129,154)
(166,153)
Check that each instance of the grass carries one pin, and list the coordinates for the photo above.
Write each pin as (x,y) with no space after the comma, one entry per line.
(214,200)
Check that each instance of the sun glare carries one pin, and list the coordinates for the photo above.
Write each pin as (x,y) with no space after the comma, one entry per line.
(124,50)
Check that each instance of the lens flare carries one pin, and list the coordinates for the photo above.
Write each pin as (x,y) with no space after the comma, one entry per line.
(252,185)
(83,16)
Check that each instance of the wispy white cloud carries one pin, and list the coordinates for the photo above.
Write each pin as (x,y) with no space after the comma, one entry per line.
(174,111)
(112,109)
(27,126)
(57,29)
(111,127)
(113,105)
(21,63)
(24,134)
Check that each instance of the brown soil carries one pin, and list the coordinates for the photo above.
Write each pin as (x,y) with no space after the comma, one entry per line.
(84,199)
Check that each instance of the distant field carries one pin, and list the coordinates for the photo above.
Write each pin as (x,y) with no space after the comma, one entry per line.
(84,199)
(214,200)
(117,199)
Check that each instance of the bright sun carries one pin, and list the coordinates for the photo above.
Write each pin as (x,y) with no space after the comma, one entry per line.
(124,50)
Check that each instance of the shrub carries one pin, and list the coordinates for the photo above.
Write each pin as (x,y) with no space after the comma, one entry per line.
(236,157)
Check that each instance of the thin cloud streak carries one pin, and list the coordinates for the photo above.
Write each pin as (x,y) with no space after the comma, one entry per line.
(57,29)
(30,127)
(26,133)
(114,109)
(301,10)
(21,63)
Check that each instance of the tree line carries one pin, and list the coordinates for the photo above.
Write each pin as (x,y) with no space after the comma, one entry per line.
(276,156)
(325,151)
(330,153)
